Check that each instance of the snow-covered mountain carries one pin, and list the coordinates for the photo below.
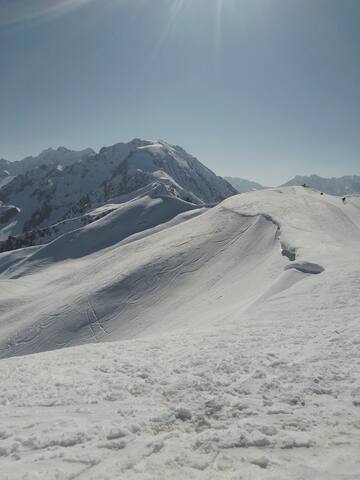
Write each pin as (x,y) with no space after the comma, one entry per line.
(5,169)
(242,185)
(348,185)
(218,343)
(49,157)
(61,185)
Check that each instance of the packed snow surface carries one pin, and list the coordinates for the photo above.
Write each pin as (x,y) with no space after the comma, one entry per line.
(222,343)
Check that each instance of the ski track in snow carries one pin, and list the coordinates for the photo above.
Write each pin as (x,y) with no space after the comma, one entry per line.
(232,362)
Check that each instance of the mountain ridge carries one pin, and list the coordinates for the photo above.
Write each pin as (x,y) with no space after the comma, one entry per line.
(62,184)
(345,185)
(243,185)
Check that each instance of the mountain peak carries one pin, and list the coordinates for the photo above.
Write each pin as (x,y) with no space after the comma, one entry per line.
(73,182)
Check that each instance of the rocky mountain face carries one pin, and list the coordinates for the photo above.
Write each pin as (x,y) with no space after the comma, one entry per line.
(41,197)
(348,185)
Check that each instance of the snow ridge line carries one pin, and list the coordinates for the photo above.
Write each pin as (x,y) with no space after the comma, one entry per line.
(286,250)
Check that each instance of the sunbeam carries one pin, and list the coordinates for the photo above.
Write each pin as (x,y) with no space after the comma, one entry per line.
(218,25)
(176,7)
(213,8)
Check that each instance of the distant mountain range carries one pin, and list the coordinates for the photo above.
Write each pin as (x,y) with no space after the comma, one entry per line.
(348,185)
(49,157)
(45,196)
(61,190)
(242,185)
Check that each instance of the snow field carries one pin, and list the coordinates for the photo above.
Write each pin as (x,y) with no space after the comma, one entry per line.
(210,354)
(265,400)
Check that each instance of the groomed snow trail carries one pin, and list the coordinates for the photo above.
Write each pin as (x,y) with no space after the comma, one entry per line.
(230,362)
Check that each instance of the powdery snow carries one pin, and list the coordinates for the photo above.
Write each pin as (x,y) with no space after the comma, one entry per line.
(234,346)
(270,399)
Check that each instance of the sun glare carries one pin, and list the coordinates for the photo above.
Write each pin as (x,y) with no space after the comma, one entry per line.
(216,8)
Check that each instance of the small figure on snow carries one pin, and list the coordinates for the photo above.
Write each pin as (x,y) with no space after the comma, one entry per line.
(344,200)
(304,185)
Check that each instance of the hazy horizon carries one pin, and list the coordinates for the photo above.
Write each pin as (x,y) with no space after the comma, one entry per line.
(307,174)
(262,90)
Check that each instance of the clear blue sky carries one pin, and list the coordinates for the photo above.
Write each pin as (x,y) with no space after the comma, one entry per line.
(262,89)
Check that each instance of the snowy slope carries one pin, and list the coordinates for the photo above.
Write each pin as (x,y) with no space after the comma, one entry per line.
(176,273)
(242,185)
(47,234)
(5,180)
(239,362)
(114,287)
(348,185)
(5,166)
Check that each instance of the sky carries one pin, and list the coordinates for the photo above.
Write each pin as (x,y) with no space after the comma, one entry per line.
(260,89)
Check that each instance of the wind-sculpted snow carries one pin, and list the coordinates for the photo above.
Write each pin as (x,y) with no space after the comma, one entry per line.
(154,280)
(227,343)
(312,225)
(305,267)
